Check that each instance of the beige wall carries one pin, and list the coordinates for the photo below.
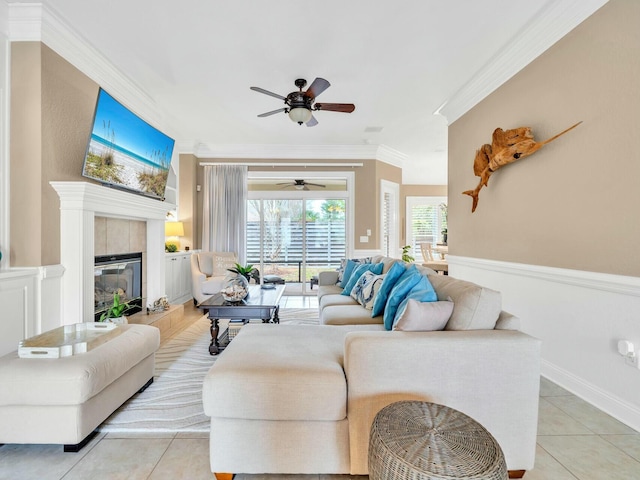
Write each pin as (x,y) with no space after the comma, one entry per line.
(574,203)
(25,155)
(188,201)
(52,106)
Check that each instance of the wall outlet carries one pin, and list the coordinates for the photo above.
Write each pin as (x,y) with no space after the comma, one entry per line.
(368,232)
(631,360)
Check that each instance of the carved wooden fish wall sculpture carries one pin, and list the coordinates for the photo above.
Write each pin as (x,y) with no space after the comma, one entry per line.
(506,147)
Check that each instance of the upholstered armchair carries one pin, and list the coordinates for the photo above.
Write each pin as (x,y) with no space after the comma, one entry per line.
(208,273)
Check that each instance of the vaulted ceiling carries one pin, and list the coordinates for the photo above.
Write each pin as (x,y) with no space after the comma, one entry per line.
(398,61)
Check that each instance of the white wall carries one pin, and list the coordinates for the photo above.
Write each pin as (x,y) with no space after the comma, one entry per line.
(579,316)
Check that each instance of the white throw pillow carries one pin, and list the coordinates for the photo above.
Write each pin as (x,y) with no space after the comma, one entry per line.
(415,316)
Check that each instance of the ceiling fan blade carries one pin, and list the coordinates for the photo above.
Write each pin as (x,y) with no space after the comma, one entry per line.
(305,187)
(272,112)
(312,121)
(336,107)
(318,86)
(315,184)
(267,92)
(284,183)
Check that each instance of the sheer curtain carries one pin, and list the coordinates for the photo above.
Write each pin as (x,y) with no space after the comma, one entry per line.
(225,209)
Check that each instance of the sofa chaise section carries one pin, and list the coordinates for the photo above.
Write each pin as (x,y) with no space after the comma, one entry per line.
(277,401)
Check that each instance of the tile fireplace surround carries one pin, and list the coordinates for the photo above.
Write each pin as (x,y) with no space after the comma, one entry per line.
(80,203)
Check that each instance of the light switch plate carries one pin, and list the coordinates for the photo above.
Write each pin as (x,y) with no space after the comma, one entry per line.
(364,239)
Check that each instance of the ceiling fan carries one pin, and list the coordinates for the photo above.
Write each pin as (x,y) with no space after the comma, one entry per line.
(299,105)
(300,185)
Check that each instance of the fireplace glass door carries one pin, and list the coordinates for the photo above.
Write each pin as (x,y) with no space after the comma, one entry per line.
(121,275)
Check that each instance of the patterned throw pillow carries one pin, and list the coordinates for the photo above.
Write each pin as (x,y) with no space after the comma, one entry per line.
(366,289)
(357,273)
(348,265)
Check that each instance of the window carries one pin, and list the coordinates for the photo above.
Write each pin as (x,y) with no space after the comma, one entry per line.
(389,215)
(426,221)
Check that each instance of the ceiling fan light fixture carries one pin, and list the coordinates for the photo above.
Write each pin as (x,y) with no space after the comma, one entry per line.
(299,187)
(300,115)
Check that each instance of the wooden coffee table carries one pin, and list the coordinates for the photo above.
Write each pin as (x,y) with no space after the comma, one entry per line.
(259,304)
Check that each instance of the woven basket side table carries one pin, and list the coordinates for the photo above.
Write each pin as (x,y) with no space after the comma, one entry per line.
(425,441)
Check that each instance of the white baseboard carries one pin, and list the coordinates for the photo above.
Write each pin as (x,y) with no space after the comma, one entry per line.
(613,405)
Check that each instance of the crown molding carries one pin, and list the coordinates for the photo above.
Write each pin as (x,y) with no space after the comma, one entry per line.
(39,22)
(391,156)
(24,22)
(268,151)
(300,152)
(554,20)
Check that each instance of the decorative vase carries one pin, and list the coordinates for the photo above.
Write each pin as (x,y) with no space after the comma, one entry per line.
(235,288)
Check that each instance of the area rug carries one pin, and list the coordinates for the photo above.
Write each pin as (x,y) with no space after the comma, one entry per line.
(173,402)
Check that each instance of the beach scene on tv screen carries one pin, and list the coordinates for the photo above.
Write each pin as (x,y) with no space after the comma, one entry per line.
(125,150)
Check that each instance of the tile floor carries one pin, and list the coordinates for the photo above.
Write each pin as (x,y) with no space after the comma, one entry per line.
(575,441)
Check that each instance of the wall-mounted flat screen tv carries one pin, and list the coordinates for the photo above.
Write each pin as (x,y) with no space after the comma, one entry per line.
(125,151)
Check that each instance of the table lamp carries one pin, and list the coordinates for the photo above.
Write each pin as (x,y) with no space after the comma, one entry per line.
(172,232)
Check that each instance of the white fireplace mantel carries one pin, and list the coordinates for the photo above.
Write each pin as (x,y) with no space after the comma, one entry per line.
(80,203)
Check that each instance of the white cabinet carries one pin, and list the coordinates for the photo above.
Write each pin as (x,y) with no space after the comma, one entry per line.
(178,277)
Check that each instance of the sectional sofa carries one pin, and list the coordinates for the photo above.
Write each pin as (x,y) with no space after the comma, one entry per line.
(294,398)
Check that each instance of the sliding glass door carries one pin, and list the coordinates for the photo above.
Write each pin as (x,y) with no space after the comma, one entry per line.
(294,239)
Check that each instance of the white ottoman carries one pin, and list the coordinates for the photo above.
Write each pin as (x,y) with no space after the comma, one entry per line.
(63,400)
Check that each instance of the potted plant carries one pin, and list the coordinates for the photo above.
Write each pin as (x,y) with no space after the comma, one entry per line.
(246,272)
(115,313)
(406,256)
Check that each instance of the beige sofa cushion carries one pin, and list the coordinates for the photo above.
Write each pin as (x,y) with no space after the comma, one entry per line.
(74,380)
(328,290)
(475,307)
(336,299)
(279,372)
(348,315)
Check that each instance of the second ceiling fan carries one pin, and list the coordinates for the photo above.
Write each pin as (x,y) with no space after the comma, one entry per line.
(300,105)
(300,185)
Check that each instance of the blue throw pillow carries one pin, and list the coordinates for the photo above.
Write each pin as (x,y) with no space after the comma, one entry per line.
(358,272)
(422,292)
(348,270)
(403,286)
(390,279)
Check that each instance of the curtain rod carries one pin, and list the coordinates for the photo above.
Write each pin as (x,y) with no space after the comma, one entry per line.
(282,164)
